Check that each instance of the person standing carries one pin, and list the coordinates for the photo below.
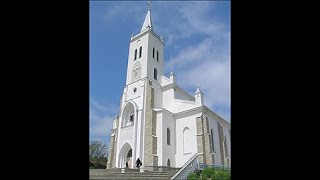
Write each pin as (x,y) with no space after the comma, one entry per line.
(138,162)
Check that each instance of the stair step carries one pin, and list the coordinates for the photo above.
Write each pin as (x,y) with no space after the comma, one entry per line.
(153,178)
(130,174)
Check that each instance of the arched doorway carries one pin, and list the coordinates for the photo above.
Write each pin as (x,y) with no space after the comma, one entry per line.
(129,158)
(125,155)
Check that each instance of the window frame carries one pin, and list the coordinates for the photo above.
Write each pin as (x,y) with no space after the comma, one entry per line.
(140,52)
(168,136)
(153,53)
(158,56)
(155,73)
(135,54)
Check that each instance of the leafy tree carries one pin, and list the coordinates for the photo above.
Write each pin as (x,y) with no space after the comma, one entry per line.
(98,152)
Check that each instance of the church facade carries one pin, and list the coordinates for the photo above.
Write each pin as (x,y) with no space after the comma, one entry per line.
(159,122)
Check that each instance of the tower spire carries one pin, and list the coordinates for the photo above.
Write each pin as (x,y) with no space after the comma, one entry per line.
(147,24)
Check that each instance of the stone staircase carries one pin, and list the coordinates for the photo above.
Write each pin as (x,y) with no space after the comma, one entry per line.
(130,174)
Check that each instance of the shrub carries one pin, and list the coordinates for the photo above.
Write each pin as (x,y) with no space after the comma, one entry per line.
(193,176)
(214,174)
(207,173)
(221,174)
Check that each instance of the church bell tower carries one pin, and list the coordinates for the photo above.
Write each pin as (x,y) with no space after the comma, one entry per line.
(134,134)
(146,53)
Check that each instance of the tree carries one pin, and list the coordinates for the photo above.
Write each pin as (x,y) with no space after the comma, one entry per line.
(97,153)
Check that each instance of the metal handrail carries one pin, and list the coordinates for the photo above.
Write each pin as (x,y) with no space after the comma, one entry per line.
(159,168)
(187,168)
(202,166)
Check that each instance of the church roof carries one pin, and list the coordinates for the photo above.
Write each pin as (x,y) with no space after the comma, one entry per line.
(147,22)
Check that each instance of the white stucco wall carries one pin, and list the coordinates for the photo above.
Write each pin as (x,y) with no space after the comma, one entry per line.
(171,103)
(137,97)
(135,136)
(182,105)
(155,43)
(126,135)
(165,80)
(135,44)
(168,100)
(168,151)
(181,123)
(181,95)
(159,136)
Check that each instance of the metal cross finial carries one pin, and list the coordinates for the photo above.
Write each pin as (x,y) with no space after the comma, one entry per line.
(149,2)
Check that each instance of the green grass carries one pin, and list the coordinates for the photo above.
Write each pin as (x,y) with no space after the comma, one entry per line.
(214,174)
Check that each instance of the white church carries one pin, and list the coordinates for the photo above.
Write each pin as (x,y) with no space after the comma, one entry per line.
(159,122)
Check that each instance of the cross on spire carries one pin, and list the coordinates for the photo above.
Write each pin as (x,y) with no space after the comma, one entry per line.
(149,3)
(147,24)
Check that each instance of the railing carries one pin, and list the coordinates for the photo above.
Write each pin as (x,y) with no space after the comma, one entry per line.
(202,166)
(158,168)
(189,167)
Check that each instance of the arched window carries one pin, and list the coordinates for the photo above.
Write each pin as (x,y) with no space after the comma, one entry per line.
(168,136)
(155,73)
(186,140)
(212,139)
(157,56)
(135,54)
(153,53)
(140,52)
(128,115)
(168,163)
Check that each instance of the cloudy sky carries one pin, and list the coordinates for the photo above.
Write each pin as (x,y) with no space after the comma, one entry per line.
(197,49)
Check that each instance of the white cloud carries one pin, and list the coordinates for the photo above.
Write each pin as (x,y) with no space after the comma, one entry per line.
(184,19)
(101,120)
(206,62)
(213,78)
(124,11)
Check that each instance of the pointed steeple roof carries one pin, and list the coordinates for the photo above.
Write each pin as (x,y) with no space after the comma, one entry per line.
(147,21)
(198,91)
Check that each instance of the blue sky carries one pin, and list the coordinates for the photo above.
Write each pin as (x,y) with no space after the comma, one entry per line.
(197,48)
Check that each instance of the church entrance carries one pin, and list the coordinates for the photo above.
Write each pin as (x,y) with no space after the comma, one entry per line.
(129,158)
(125,156)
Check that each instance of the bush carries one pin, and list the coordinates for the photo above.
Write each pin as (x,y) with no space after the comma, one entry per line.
(221,174)
(214,174)
(193,176)
(207,173)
